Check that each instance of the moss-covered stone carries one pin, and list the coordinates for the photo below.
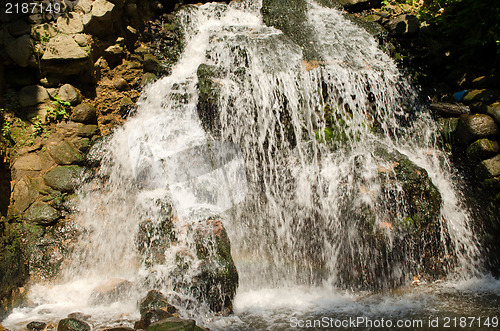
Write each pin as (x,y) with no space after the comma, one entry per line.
(218,279)
(290,16)
(42,214)
(64,178)
(482,149)
(72,324)
(174,324)
(88,131)
(64,153)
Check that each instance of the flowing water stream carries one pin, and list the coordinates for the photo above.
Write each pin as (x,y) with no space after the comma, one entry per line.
(306,145)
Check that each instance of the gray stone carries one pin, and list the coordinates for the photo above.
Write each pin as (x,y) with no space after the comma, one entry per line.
(70,94)
(70,23)
(36,19)
(110,291)
(87,130)
(20,50)
(151,63)
(490,167)
(473,127)
(25,192)
(84,113)
(72,324)
(42,214)
(64,178)
(64,48)
(18,28)
(102,10)
(482,149)
(29,162)
(64,154)
(33,95)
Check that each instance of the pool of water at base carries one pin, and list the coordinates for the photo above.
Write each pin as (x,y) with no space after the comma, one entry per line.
(472,304)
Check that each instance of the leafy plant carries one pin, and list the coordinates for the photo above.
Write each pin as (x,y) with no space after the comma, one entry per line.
(38,128)
(59,111)
(6,131)
(45,37)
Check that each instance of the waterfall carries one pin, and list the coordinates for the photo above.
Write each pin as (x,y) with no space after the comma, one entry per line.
(306,181)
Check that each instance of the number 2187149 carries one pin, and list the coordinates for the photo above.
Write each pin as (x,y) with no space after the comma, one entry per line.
(32,7)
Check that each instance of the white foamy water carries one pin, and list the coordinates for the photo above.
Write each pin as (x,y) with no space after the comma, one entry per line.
(305,193)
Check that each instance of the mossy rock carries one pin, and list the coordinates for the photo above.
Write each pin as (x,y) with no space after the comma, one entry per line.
(64,153)
(42,214)
(64,178)
(174,324)
(482,149)
(72,324)
(290,16)
(218,279)
(422,196)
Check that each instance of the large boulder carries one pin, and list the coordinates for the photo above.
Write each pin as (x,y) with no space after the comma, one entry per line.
(20,50)
(64,153)
(64,178)
(490,167)
(473,127)
(84,113)
(33,95)
(70,23)
(217,281)
(64,48)
(482,149)
(42,214)
(102,10)
(155,307)
(24,194)
(70,94)
(73,324)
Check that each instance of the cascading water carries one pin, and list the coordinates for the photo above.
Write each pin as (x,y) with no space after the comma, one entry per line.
(318,158)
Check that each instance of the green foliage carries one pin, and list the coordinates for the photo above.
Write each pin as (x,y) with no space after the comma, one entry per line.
(473,26)
(59,111)
(38,128)
(45,38)
(6,131)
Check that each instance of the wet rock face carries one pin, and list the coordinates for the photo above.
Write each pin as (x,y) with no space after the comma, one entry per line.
(218,280)
(216,277)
